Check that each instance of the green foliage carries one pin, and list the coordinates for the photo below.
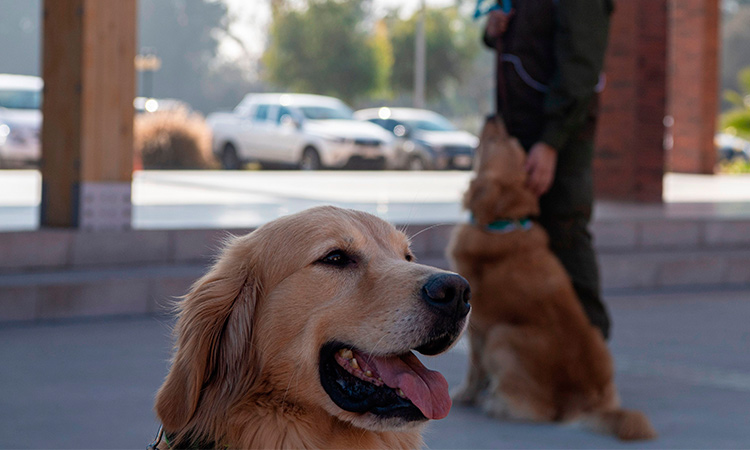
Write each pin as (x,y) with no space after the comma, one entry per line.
(323,49)
(737,120)
(735,167)
(329,47)
(735,49)
(451,41)
(381,43)
(183,34)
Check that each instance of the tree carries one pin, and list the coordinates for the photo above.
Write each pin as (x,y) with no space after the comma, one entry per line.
(185,35)
(736,121)
(324,49)
(451,46)
(735,49)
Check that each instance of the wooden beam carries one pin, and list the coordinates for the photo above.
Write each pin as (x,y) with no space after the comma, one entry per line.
(87,134)
(62,65)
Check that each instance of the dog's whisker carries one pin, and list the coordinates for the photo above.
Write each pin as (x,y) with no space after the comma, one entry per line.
(429,228)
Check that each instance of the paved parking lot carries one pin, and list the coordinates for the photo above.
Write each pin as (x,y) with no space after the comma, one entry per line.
(681,357)
(242,199)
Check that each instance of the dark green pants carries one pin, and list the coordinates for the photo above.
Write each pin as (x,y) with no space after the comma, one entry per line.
(566,211)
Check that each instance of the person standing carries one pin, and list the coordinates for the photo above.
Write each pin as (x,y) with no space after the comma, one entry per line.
(550,56)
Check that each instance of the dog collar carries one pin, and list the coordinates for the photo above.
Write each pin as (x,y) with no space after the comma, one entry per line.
(506,225)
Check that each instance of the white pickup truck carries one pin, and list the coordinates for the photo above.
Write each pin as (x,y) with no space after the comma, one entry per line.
(303,131)
(20,120)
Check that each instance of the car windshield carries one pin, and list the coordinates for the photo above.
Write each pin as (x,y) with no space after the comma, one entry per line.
(20,99)
(326,112)
(431,124)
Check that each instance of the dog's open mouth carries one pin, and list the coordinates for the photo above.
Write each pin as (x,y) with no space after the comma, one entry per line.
(398,386)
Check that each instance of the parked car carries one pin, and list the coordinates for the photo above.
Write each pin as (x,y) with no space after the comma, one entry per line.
(425,139)
(143,105)
(20,120)
(300,130)
(730,147)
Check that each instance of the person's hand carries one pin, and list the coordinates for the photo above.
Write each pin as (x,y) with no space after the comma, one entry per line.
(540,168)
(497,23)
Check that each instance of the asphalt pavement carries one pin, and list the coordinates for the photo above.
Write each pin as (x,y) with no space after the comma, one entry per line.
(681,357)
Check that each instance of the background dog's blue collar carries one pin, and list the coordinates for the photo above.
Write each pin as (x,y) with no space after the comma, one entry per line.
(506,225)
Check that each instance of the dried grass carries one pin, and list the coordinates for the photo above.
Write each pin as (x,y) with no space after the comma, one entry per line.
(173,140)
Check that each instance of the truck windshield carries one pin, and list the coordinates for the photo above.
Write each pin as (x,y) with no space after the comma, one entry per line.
(326,112)
(20,99)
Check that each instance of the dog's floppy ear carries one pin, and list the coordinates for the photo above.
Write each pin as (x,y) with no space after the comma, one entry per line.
(482,199)
(489,198)
(213,334)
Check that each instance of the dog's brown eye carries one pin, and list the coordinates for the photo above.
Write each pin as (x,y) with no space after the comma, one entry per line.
(338,258)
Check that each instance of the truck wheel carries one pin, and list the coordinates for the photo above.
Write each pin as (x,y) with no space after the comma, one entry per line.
(229,158)
(310,160)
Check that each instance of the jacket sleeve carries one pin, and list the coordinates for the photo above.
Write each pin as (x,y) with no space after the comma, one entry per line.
(580,45)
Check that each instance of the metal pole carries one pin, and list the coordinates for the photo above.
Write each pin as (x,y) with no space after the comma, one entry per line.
(420,59)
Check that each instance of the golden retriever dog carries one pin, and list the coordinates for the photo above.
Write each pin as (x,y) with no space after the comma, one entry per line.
(302,335)
(534,354)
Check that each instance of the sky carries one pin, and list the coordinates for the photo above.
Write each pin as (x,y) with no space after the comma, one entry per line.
(252,19)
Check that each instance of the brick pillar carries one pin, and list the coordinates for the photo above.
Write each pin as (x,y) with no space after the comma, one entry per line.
(693,84)
(629,159)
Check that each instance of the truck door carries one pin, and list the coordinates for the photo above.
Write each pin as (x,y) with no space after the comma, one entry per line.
(256,132)
(287,136)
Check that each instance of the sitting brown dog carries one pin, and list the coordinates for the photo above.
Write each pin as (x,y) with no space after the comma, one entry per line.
(534,354)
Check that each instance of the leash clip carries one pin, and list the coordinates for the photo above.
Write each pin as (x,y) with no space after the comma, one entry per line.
(159,435)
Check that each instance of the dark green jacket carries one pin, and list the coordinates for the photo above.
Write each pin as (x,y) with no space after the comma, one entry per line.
(549,64)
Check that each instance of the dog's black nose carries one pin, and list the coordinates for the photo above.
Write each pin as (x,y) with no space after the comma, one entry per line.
(448,292)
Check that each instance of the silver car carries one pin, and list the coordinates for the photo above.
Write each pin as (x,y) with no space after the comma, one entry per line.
(20,120)
(425,139)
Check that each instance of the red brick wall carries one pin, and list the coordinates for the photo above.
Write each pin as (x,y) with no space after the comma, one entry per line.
(693,84)
(629,159)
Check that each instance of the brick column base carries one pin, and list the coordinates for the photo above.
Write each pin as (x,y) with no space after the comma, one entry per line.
(629,159)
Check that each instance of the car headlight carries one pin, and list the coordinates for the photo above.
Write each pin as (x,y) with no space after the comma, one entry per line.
(336,139)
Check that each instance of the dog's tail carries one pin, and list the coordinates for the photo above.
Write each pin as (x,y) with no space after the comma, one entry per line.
(626,425)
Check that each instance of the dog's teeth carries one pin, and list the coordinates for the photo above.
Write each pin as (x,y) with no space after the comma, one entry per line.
(401,393)
(354,363)
(368,373)
(346,353)
(380,379)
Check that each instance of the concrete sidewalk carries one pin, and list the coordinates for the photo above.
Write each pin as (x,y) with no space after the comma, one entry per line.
(683,358)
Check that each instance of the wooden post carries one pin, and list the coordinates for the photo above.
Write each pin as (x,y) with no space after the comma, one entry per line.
(87,133)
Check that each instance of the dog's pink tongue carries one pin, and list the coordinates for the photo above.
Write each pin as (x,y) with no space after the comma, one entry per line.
(426,388)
